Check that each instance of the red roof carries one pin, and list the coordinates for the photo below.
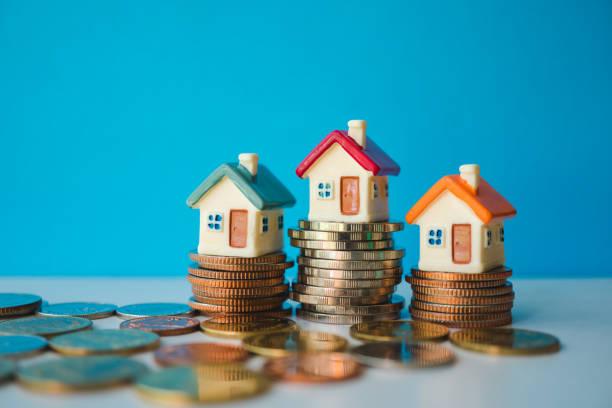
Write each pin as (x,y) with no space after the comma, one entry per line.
(371,158)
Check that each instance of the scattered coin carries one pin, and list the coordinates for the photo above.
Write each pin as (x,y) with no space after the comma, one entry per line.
(87,310)
(348,265)
(351,227)
(344,301)
(246,302)
(461,309)
(409,331)
(153,309)
(234,283)
(201,383)
(107,341)
(257,292)
(235,260)
(80,373)
(240,326)
(18,304)
(344,319)
(506,341)
(313,367)
(343,245)
(450,284)
(456,317)
(163,325)
(280,344)
(495,274)
(260,267)
(200,353)
(467,301)
(17,346)
(338,236)
(403,355)
(395,305)
(391,273)
(235,275)
(500,290)
(7,369)
(341,292)
(44,326)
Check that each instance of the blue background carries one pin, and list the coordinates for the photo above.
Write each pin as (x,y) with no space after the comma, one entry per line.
(112,112)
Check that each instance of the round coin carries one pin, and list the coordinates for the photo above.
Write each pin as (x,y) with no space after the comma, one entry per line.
(472,324)
(348,283)
(153,309)
(107,341)
(455,284)
(408,331)
(395,305)
(338,236)
(379,255)
(280,344)
(209,309)
(44,326)
(341,292)
(18,304)
(260,267)
(467,301)
(80,373)
(163,325)
(500,290)
(234,283)
(87,310)
(344,319)
(258,301)
(495,274)
(348,265)
(200,353)
(461,309)
(506,341)
(201,383)
(257,292)
(455,317)
(7,369)
(240,326)
(351,226)
(391,273)
(343,245)
(344,301)
(276,257)
(17,346)
(235,275)
(403,355)
(313,367)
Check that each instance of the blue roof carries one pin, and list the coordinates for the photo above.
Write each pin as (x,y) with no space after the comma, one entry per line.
(263,190)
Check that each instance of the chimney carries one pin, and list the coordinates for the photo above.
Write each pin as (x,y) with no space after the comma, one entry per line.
(470,173)
(249,161)
(357,130)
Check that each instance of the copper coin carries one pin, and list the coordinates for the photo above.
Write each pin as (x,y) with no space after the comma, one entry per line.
(163,325)
(456,317)
(494,274)
(277,257)
(264,291)
(209,309)
(402,354)
(313,367)
(461,309)
(283,310)
(257,301)
(455,284)
(500,290)
(200,353)
(473,324)
(469,301)
(235,275)
(260,267)
(234,283)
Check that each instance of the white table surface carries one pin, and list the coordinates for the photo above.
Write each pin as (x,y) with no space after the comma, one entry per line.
(577,311)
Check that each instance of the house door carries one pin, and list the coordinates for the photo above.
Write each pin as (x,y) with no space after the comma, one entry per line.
(238,228)
(349,195)
(462,243)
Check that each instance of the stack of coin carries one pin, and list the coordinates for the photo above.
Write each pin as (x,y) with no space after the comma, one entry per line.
(347,271)
(228,285)
(462,300)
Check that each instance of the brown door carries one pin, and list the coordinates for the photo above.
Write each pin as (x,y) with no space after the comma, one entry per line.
(349,195)
(238,228)
(462,243)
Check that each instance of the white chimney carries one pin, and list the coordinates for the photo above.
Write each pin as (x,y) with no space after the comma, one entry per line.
(357,130)
(249,161)
(470,173)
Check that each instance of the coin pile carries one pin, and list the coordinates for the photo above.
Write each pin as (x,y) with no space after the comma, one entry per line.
(227,285)
(347,272)
(462,300)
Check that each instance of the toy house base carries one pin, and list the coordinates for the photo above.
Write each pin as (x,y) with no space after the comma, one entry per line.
(469,268)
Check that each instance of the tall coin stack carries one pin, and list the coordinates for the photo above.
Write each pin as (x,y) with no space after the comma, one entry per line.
(228,285)
(462,300)
(347,272)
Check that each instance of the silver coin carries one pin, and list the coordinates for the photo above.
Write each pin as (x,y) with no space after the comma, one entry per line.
(343,245)
(384,226)
(344,319)
(355,275)
(348,283)
(154,309)
(378,255)
(18,304)
(396,305)
(339,236)
(88,310)
(349,265)
(330,300)
(341,292)
(18,346)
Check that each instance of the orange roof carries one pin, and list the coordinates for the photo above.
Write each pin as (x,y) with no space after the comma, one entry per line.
(487,203)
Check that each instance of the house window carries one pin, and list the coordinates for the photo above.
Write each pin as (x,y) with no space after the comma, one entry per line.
(281,222)
(375,192)
(265,224)
(435,237)
(325,190)
(386,189)
(488,237)
(215,222)
(501,233)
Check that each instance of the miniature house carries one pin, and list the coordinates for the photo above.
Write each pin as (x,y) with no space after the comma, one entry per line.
(348,177)
(461,224)
(241,209)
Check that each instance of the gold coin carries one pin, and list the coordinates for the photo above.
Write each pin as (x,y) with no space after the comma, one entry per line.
(325,318)
(495,274)
(341,292)
(468,301)
(244,308)
(506,341)
(409,331)
(235,275)
(343,245)
(201,383)
(462,309)
(317,367)
(403,355)
(500,290)
(104,341)
(395,305)
(234,283)
(7,369)
(378,255)
(393,273)
(346,301)
(472,324)
(163,325)
(283,310)
(267,301)
(338,236)
(264,291)
(240,326)
(289,342)
(455,284)
(19,346)
(348,265)
(44,326)
(277,257)
(348,283)
(260,267)
(351,226)
(456,317)
(200,353)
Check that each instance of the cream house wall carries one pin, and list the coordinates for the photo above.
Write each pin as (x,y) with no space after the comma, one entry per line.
(222,198)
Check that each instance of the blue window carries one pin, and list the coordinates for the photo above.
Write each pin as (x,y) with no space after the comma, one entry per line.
(281,222)
(325,190)
(215,222)
(488,238)
(265,224)
(435,237)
